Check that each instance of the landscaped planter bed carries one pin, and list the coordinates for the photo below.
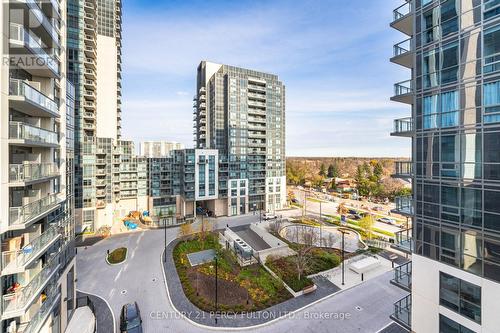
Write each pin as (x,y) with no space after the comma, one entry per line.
(249,288)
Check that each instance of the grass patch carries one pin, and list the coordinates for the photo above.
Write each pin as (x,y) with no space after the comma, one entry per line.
(355,225)
(316,200)
(248,288)
(117,256)
(306,221)
(319,260)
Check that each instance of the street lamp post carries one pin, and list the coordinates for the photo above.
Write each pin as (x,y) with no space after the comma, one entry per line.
(344,232)
(165,237)
(216,300)
(320,227)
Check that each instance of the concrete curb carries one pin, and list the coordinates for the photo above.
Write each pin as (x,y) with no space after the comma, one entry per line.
(105,301)
(119,263)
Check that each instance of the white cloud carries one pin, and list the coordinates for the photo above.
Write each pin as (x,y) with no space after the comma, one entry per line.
(332,57)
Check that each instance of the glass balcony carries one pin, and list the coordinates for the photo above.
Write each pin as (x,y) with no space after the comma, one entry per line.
(15,304)
(34,100)
(403,92)
(403,240)
(402,312)
(46,23)
(28,172)
(35,135)
(20,35)
(403,18)
(24,214)
(402,276)
(403,169)
(41,315)
(402,54)
(16,261)
(403,127)
(404,205)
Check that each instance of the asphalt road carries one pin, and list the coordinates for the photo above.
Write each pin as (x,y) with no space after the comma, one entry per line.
(365,308)
(330,208)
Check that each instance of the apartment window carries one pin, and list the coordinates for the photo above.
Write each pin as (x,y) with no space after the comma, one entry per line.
(460,296)
(441,110)
(491,8)
(491,101)
(491,47)
(492,257)
(446,325)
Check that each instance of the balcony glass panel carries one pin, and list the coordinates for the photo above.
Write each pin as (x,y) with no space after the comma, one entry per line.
(22,88)
(404,240)
(404,205)
(32,171)
(14,260)
(403,88)
(20,34)
(402,311)
(402,275)
(21,215)
(22,131)
(20,299)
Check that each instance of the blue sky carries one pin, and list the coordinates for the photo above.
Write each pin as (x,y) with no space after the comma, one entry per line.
(331,55)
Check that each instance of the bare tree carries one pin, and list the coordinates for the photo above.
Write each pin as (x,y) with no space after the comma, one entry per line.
(206,227)
(330,240)
(303,257)
(275,227)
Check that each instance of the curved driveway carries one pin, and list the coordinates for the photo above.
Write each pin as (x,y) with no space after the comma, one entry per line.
(140,279)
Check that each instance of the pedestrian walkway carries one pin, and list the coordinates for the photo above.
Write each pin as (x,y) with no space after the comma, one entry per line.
(104,317)
(352,278)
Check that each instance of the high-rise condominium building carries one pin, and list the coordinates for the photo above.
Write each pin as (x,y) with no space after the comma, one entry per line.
(452,51)
(158,148)
(37,272)
(241,113)
(94,67)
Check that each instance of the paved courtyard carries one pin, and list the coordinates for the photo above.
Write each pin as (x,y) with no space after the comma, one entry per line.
(365,308)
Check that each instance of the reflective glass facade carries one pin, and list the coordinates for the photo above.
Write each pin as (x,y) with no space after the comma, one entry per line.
(457,134)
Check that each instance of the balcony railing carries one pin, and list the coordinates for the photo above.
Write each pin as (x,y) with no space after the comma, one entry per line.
(404,240)
(21,299)
(404,205)
(22,131)
(23,89)
(402,312)
(403,169)
(49,25)
(13,261)
(20,34)
(403,126)
(23,214)
(402,276)
(402,47)
(402,11)
(32,171)
(41,315)
(403,88)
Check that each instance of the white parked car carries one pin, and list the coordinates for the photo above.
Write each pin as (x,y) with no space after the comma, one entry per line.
(269,216)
